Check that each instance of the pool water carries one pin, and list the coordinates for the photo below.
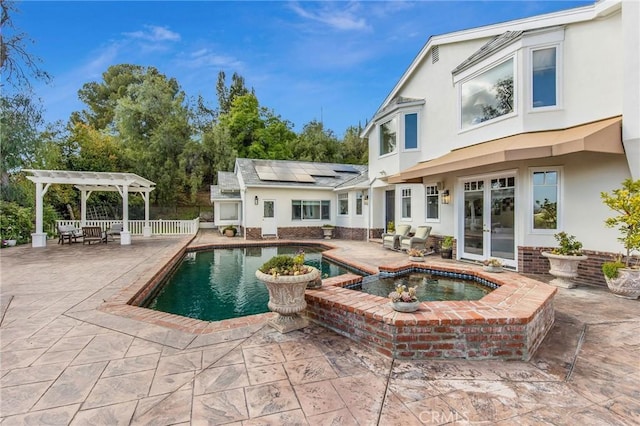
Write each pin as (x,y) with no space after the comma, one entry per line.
(428,287)
(221,284)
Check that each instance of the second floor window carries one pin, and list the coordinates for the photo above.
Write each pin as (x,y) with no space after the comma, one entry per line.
(406,203)
(487,95)
(411,131)
(388,132)
(433,202)
(544,80)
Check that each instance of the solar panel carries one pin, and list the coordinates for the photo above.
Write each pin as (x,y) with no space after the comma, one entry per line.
(345,169)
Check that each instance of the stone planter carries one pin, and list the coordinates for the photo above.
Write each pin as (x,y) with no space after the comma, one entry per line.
(406,306)
(626,284)
(11,243)
(564,268)
(229,233)
(327,232)
(490,268)
(446,253)
(286,298)
(416,258)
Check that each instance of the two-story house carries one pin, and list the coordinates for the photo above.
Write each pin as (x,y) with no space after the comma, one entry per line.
(504,135)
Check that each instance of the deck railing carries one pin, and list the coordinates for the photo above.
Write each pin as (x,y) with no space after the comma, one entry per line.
(158,227)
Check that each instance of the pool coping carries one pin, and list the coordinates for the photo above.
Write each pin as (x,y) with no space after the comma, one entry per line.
(517,301)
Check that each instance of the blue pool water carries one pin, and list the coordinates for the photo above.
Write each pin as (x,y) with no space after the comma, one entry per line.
(221,284)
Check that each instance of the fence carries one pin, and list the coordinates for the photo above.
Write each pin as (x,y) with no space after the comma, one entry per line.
(158,227)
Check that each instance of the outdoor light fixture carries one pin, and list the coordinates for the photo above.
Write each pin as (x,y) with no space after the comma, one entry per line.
(445,197)
(255,200)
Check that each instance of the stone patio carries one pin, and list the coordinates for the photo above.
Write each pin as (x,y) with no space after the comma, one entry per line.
(63,361)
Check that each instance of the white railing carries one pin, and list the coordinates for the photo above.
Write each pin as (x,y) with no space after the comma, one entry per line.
(158,227)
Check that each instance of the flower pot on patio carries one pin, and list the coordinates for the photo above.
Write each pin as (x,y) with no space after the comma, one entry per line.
(626,284)
(563,268)
(327,231)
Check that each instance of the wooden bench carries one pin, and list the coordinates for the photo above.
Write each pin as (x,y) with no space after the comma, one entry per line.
(92,234)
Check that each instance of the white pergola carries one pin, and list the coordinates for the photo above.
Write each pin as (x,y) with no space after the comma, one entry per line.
(88,182)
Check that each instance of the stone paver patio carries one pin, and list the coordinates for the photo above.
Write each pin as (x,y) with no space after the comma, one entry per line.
(63,361)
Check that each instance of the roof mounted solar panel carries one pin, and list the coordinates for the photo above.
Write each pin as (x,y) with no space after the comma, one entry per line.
(345,169)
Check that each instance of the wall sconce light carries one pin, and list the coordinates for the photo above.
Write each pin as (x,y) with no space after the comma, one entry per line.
(255,200)
(446,198)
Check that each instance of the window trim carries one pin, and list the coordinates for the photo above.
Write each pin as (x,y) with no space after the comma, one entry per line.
(559,80)
(404,130)
(402,198)
(559,206)
(380,140)
(426,203)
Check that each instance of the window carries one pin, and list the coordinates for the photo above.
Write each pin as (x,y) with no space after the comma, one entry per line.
(228,211)
(487,96)
(343,204)
(432,202)
(310,210)
(411,131)
(545,200)
(359,203)
(406,203)
(544,77)
(388,132)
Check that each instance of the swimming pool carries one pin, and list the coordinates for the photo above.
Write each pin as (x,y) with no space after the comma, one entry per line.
(220,284)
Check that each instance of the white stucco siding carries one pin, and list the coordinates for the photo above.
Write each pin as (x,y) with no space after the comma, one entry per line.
(283,210)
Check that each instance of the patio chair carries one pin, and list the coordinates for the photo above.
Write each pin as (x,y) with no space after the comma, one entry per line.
(92,234)
(115,229)
(67,232)
(418,241)
(391,240)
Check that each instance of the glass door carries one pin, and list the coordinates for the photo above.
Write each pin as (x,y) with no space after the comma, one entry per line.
(489,219)
(269,225)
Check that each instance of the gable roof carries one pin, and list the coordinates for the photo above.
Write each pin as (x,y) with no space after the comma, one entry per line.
(564,17)
(488,48)
(285,173)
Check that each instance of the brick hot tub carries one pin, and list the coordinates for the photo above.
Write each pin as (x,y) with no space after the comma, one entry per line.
(509,323)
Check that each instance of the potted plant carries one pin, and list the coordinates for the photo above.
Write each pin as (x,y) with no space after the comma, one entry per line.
(391,227)
(492,265)
(286,278)
(230,231)
(403,299)
(623,278)
(446,247)
(415,255)
(564,260)
(327,230)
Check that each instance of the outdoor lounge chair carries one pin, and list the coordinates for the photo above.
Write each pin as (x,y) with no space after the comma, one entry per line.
(68,232)
(92,234)
(391,240)
(418,241)
(115,229)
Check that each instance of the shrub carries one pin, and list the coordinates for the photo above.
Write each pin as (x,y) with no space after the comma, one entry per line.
(567,245)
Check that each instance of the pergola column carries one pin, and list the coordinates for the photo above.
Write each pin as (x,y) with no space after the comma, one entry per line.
(125,235)
(39,238)
(146,230)
(84,195)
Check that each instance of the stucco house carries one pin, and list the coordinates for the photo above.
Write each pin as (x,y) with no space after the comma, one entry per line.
(504,135)
(292,199)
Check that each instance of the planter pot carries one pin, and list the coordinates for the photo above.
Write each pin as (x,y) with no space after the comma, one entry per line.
(446,253)
(493,269)
(416,258)
(405,306)
(626,284)
(11,243)
(286,298)
(229,233)
(328,233)
(564,268)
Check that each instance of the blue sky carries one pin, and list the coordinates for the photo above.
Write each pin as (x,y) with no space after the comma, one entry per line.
(334,61)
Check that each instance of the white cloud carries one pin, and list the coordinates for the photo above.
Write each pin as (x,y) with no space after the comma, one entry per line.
(206,58)
(344,18)
(155,34)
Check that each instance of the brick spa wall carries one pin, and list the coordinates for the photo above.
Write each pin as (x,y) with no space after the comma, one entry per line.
(530,261)
(376,233)
(509,323)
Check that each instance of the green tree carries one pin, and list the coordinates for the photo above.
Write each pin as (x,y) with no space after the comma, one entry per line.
(315,143)
(354,149)
(226,95)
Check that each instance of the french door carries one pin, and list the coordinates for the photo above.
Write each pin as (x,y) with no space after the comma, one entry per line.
(269,224)
(489,219)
